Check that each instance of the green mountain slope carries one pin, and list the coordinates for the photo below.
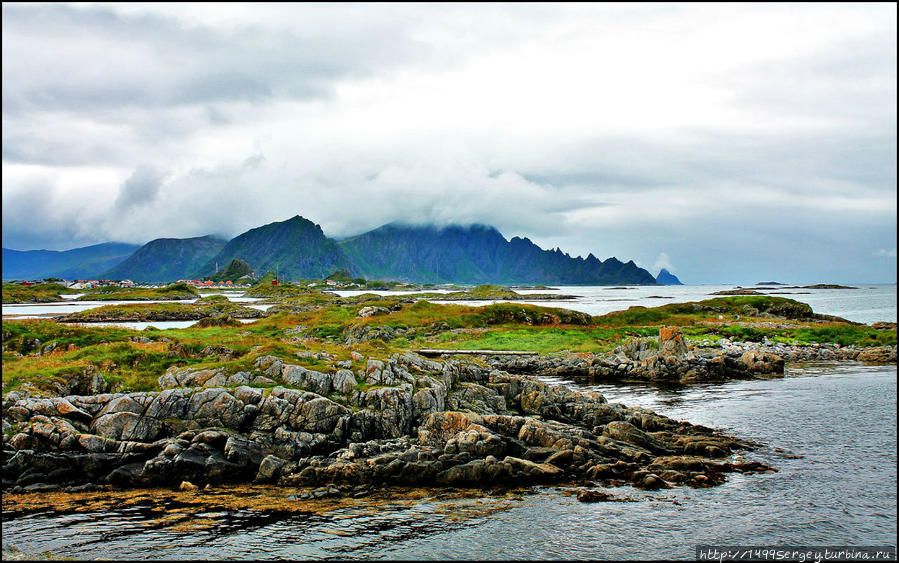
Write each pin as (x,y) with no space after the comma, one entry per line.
(296,248)
(167,259)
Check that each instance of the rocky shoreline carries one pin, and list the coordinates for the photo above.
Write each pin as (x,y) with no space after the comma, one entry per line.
(404,420)
(670,359)
(410,421)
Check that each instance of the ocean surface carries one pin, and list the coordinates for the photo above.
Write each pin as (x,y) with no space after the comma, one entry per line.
(867,304)
(829,429)
(47,310)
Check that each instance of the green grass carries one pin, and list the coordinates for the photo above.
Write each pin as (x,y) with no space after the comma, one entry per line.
(754,306)
(205,307)
(276,291)
(134,367)
(544,340)
(505,326)
(38,293)
(178,291)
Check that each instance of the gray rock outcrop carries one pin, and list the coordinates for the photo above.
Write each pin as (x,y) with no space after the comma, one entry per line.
(402,420)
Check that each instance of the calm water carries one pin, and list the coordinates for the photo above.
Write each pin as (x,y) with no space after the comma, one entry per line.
(37,310)
(867,304)
(841,420)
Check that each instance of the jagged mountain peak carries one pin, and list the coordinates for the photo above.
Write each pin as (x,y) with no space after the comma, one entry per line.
(295,248)
(476,254)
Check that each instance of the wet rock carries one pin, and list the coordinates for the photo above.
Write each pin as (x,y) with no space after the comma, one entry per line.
(625,432)
(270,468)
(594,496)
(41,488)
(515,429)
(882,354)
(651,482)
(763,363)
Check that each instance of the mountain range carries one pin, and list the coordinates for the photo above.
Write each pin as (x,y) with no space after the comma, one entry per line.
(298,249)
(477,254)
(77,263)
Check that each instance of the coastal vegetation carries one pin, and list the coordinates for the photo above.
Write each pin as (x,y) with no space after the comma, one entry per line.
(205,307)
(40,353)
(172,292)
(37,293)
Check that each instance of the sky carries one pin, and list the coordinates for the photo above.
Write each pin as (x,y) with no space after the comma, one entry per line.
(727,143)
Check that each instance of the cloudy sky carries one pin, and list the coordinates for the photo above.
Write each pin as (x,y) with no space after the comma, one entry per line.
(729,143)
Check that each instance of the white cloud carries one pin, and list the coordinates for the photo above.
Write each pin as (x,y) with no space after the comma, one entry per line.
(663,261)
(613,129)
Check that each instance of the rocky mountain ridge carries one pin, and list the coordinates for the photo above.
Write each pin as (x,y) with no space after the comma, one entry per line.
(298,249)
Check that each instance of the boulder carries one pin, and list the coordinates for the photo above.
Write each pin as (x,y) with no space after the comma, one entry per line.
(763,363)
(343,381)
(671,341)
(881,354)
(314,381)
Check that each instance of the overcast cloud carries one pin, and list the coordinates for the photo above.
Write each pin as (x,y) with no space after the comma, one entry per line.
(727,143)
